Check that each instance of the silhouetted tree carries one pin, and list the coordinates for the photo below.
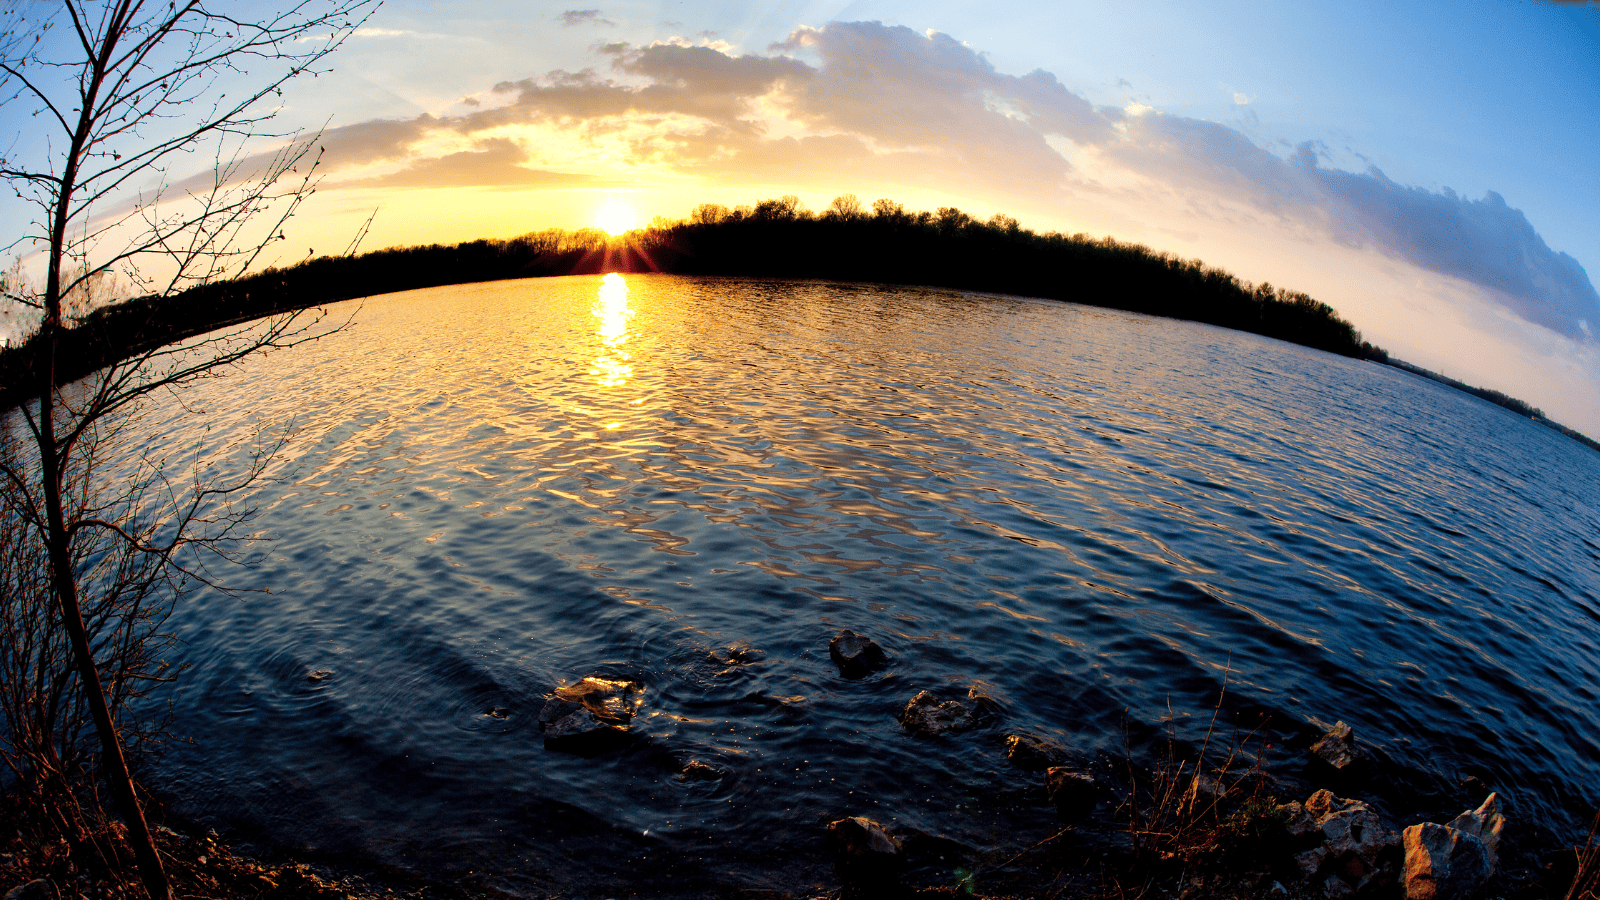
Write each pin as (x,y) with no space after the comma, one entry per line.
(125,90)
(845,208)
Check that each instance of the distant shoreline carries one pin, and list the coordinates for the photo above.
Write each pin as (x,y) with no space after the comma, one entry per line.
(775,238)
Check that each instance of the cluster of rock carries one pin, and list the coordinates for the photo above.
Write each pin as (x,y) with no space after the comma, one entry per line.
(1337,847)
(1345,849)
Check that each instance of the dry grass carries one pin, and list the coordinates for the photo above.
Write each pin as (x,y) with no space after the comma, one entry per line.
(96,864)
(1586,882)
(1197,824)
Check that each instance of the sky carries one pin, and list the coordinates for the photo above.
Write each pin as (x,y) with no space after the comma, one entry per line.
(1426,168)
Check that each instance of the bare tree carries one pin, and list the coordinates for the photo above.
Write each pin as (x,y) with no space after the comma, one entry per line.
(845,208)
(122,92)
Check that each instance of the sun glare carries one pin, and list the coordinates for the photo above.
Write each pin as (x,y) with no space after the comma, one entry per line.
(617,217)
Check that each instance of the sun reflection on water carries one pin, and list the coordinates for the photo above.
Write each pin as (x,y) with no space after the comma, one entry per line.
(611,367)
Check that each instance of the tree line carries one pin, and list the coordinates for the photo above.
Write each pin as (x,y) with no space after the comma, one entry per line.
(950,248)
(773,238)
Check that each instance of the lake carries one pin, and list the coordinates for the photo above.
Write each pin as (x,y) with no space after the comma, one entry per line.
(1104,521)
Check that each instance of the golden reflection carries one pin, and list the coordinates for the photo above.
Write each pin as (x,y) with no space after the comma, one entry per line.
(611,308)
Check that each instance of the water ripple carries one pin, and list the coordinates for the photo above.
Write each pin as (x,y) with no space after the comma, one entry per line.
(490,490)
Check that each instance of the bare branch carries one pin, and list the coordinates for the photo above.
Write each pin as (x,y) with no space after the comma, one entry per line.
(106,556)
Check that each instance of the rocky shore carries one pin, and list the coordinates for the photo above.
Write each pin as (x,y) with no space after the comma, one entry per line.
(1192,825)
(1207,827)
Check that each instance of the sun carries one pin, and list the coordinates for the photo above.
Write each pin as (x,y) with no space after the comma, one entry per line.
(617,217)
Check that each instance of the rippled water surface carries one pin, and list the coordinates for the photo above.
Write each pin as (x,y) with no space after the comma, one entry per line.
(490,490)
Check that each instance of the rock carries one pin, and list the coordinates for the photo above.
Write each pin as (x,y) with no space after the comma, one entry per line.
(1343,839)
(696,770)
(584,733)
(1484,823)
(855,655)
(738,653)
(1033,754)
(37,889)
(1336,888)
(865,857)
(555,709)
(984,707)
(1446,862)
(1074,792)
(589,717)
(926,716)
(605,698)
(1338,751)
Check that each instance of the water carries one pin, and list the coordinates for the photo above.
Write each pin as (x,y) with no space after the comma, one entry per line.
(1098,518)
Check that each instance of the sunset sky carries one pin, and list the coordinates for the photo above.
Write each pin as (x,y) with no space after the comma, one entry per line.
(1427,168)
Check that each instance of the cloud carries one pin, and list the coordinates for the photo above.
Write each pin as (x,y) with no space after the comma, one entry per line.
(583,17)
(375,141)
(1485,242)
(494,163)
(865,102)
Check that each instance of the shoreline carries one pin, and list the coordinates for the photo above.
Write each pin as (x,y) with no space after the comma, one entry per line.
(1152,830)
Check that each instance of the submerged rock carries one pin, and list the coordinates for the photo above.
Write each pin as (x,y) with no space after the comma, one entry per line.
(1344,841)
(605,697)
(868,861)
(583,732)
(695,770)
(591,716)
(1033,754)
(856,655)
(738,653)
(1447,862)
(1074,792)
(927,716)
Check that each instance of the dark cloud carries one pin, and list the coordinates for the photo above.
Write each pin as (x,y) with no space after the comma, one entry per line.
(583,17)
(1483,241)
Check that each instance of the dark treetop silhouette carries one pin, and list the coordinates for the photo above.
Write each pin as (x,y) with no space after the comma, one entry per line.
(775,238)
